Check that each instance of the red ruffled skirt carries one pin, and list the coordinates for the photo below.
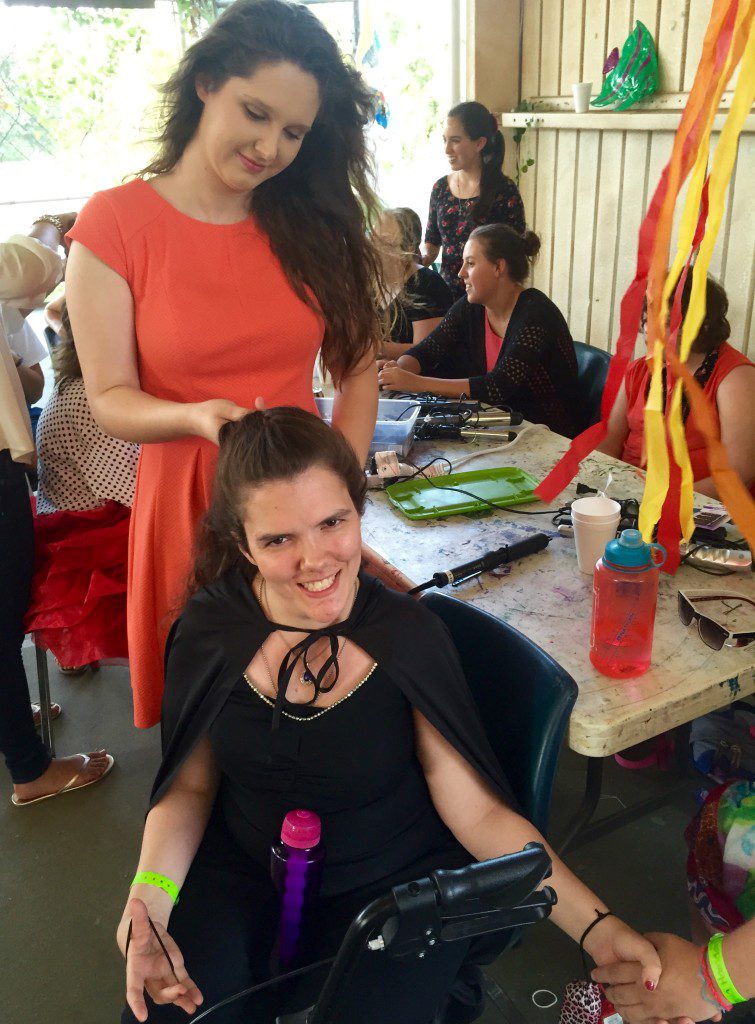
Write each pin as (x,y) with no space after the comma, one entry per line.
(78,601)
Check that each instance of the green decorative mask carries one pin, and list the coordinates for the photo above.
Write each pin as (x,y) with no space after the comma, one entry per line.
(636,74)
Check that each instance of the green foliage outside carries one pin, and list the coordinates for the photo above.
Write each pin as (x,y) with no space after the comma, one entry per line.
(84,83)
(79,87)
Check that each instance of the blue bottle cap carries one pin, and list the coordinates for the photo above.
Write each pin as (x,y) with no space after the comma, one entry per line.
(630,553)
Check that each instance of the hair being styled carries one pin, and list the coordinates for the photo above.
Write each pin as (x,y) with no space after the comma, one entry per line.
(501,242)
(264,446)
(478,123)
(318,211)
(65,359)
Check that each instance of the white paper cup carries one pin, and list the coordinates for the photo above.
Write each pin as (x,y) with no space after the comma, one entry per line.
(582,92)
(595,520)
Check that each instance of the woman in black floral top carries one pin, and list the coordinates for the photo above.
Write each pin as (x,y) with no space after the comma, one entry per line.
(475,192)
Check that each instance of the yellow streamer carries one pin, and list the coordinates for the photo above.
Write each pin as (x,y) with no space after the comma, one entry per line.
(656,483)
(722,166)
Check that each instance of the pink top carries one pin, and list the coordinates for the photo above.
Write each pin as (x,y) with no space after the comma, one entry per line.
(493,345)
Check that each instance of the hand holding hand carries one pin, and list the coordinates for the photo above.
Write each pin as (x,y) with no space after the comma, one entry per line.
(147,966)
(392,378)
(612,941)
(677,998)
(209,417)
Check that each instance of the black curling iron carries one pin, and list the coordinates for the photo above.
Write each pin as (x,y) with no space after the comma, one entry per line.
(502,556)
(503,419)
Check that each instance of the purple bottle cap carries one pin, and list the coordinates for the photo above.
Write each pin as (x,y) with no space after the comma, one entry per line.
(301,829)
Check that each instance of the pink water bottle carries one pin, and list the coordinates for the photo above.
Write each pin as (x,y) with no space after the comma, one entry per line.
(296,869)
(625,592)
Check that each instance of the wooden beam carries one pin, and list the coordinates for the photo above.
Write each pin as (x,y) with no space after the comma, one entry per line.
(493,30)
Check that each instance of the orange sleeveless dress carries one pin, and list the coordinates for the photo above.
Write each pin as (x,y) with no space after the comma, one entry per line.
(637,384)
(215,317)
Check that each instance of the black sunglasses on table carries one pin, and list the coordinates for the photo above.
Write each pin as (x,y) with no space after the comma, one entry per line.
(713,633)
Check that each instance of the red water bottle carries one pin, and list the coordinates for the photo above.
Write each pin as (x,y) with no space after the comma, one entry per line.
(625,592)
(296,864)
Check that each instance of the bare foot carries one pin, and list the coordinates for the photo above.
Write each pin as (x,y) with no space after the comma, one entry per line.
(60,772)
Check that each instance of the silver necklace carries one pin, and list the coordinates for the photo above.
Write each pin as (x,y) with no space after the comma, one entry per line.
(308,718)
(465,199)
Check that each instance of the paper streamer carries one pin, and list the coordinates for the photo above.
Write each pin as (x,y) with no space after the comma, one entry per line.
(704,237)
(631,304)
(669,493)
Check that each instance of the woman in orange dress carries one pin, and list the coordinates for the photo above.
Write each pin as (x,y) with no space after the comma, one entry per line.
(209,283)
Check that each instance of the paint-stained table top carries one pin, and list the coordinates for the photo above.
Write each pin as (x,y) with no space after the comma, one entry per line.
(547,598)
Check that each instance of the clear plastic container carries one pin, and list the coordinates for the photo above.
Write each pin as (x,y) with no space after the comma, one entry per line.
(625,593)
(394,430)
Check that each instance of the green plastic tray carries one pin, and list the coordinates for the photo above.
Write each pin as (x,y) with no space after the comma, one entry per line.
(420,499)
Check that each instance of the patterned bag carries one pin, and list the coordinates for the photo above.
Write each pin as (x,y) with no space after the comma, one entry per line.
(585,1003)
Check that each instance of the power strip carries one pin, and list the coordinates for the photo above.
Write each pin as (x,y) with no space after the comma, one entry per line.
(717,559)
(388,470)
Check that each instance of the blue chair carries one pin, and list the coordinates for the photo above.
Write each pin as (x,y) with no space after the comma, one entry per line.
(592,370)
(523,695)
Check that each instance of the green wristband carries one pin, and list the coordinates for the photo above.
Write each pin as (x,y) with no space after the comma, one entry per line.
(159,881)
(719,972)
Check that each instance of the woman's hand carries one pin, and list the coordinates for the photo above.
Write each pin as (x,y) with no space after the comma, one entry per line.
(208,417)
(677,996)
(147,966)
(613,942)
(392,378)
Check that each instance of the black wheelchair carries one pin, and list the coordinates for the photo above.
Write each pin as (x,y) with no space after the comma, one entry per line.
(485,902)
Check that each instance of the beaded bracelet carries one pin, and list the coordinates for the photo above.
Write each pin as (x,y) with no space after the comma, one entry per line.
(50,218)
(713,988)
(159,881)
(719,972)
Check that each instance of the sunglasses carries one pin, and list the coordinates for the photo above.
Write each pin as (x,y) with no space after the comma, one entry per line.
(712,633)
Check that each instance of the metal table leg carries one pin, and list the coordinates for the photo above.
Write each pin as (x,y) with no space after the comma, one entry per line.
(593,787)
(43,680)
(580,831)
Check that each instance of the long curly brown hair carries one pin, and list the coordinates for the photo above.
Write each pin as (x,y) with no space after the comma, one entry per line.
(319,211)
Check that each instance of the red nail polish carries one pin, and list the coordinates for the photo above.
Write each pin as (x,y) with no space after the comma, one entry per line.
(650,986)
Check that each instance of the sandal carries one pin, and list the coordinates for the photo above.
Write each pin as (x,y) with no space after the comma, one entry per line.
(55,712)
(71,785)
(78,670)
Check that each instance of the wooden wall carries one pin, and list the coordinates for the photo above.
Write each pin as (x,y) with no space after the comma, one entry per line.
(594,174)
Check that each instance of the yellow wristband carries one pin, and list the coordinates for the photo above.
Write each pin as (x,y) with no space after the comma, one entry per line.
(719,972)
(159,881)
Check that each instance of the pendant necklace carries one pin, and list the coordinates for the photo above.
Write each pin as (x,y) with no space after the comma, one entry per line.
(306,678)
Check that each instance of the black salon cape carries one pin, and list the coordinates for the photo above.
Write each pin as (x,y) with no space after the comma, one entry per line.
(222,627)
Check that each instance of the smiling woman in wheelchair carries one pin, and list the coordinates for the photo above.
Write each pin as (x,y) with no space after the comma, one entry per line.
(293,679)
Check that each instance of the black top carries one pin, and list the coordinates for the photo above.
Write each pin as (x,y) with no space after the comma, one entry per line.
(536,370)
(450,223)
(354,765)
(426,295)
(221,629)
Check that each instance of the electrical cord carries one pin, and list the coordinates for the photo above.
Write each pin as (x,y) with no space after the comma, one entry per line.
(506,446)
